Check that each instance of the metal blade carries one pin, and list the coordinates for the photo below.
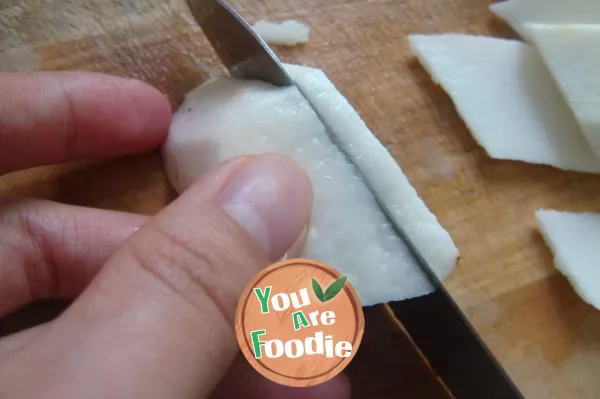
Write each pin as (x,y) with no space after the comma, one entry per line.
(452,348)
(241,50)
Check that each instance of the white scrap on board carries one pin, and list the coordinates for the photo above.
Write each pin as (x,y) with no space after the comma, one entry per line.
(286,33)
(574,240)
(517,13)
(572,54)
(225,118)
(507,98)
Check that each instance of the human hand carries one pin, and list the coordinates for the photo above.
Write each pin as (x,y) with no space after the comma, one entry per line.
(155,297)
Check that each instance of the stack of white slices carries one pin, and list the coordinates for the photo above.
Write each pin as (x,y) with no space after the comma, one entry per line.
(535,100)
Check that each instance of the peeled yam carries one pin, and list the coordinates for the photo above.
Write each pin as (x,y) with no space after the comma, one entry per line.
(286,33)
(517,13)
(225,118)
(573,238)
(572,54)
(507,98)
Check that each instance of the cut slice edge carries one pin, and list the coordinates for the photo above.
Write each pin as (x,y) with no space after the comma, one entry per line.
(573,240)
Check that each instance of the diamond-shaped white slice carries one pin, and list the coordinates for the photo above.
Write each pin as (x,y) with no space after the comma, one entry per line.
(504,93)
(517,13)
(574,240)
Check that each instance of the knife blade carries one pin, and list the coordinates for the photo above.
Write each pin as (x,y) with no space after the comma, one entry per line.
(240,49)
(434,322)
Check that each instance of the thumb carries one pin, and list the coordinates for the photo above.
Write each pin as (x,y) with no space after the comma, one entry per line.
(157,322)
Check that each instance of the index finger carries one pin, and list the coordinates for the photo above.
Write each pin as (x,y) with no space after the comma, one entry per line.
(55,117)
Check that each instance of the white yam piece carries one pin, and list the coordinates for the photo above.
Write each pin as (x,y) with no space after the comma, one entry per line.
(225,118)
(519,12)
(507,98)
(572,54)
(573,238)
(286,33)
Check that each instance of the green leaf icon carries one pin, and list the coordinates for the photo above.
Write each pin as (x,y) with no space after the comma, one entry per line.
(331,292)
(318,290)
(334,289)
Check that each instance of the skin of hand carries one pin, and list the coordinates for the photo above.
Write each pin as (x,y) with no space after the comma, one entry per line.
(154,297)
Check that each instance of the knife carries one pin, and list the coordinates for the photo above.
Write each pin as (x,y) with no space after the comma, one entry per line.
(434,322)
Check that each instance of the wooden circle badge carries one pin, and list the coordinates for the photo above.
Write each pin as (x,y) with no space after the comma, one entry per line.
(299,322)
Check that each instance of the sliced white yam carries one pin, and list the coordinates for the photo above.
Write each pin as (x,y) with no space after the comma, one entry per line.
(287,33)
(507,98)
(574,240)
(572,54)
(519,12)
(379,168)
(225,118)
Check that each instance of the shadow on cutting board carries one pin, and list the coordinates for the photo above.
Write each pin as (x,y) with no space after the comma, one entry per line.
(386,364)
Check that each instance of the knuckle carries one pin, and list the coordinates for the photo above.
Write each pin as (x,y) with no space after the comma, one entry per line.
(189,268)
(21,220)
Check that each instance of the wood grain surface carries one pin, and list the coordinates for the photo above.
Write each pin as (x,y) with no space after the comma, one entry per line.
(543,334)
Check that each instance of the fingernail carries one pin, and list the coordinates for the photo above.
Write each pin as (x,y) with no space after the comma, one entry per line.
(271,199)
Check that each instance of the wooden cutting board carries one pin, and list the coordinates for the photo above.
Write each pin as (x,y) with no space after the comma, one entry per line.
(543,334)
